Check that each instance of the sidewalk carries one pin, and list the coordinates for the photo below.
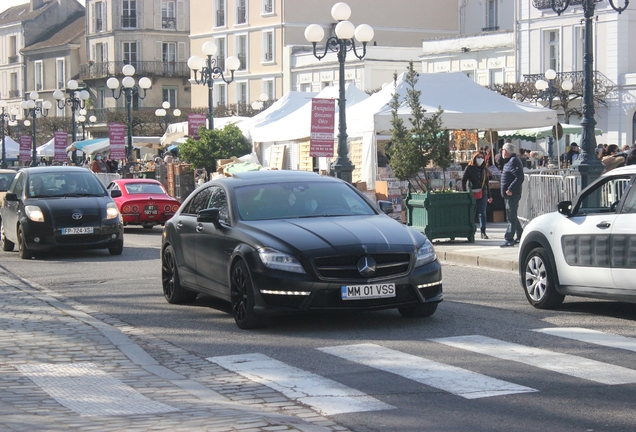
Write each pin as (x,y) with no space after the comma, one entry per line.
(482,253)
(66,367)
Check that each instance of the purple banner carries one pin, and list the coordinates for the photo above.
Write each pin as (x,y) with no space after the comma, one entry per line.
(322,126)
(195,121)
(61,142)
(25,148)
(117,135)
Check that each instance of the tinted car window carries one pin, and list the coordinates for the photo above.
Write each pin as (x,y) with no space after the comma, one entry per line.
(218,200)
(293,200)
(199,202)
(52,184)
(18,184)
(143,188)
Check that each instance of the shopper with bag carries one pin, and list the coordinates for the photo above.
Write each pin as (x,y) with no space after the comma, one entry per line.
(477,174)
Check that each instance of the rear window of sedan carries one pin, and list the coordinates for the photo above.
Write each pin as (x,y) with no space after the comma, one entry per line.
(144,188)
(294,200)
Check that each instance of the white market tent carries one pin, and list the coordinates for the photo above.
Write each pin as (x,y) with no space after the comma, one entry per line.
(11,147)
(102,145)
(535,134)
(175,132)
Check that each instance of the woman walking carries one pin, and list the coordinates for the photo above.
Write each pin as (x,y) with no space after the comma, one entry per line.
(477,174)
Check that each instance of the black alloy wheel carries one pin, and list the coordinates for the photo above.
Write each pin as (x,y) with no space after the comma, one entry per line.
(25,252)
(242,298)
(172,289)
(117,250)
(7,245)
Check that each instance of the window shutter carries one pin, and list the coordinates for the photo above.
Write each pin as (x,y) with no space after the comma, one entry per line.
(181,52)
(94,18)
(93,53)
(157,14)
(181,15)
(138,49)
(158,51)
(105,54)
(104,16)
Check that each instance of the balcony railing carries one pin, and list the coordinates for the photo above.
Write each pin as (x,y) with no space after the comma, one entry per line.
(243,59)
(547,4)
(168,23)
(488,29)
(142,68)
(220,18)
(269,56)
(14,93)
(103,115)
(241,17)
(13,59)
(129,21)
(268,7)
(601,82)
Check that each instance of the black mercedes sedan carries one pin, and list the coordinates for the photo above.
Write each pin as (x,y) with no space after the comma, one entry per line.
(275,242)
(57,208)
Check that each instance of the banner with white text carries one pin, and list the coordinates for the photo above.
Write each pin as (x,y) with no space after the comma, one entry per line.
(323,113)
(117,135)
(61,142)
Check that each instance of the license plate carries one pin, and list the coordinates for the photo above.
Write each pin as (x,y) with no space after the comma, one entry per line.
(81,230)
(151,210)
(371,291)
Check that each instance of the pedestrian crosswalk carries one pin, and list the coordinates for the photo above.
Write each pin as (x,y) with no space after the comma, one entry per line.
(330,397)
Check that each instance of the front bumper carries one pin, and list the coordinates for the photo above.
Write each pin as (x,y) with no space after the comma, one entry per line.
(422,285)
(43,237)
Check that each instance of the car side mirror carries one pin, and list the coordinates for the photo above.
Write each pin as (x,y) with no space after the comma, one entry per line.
(565,208)
(11,197)
(209,216)
(386,206)
(115,193)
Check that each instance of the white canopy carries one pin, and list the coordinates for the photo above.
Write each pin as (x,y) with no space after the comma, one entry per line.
(11,147)
(466,105)
(103,145)
(297,124)
(176,131)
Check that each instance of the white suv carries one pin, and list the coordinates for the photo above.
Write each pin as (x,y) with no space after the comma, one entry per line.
(587,248)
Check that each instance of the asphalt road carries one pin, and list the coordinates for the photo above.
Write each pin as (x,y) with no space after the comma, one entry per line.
(551,382)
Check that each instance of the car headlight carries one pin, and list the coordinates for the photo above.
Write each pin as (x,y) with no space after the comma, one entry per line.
(425,254)
(111,210)
(34,213)
(277,260)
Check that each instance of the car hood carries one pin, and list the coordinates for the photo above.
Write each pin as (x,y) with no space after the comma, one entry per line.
(359,234)
(91,205)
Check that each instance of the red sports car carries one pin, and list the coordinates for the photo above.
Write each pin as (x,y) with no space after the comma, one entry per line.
(143,202)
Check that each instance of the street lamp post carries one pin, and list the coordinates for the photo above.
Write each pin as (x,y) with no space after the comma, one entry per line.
(5,117)
(77,101)
(164,116)
(33,111)
(129,89)
(590,167)
(259,104)
(340,44)
(548,91)
(82,120)
(211,71)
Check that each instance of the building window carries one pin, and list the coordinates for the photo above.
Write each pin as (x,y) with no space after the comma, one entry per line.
(551,50)
(496,76)
(220,13)
(170,95)
(268,7)
(241,12)
(579,44)
(470,74)
(39,75)
(130,53)
(221,52)
(269,89)
(13,49)
(169,57)
(168,15)
(241,97)
(13,81)
(241,51)
(305,87)
(98,17)
(491,16)
(268,46)
(220,93)
(101,97)
(129,14)
(60,73)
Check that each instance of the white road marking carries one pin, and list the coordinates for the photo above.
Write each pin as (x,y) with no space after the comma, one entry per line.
(567,364)
(455,380)
(592,336)
(88,391)
(324,395)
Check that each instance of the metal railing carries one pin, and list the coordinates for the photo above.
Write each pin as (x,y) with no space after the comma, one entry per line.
(488,29)
(268,7)
(142,68)
(577,78)
(269,56)
(103,114)
(542,192)
(547,4)
(169,23)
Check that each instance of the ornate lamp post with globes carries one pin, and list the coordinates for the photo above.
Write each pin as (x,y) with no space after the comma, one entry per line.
(259,104)
(129,89)
(548,91)
(164,116)
(5,117)
(77,101)
(341,43)
(34,111)
(82,120)
(591,167)
(211,71)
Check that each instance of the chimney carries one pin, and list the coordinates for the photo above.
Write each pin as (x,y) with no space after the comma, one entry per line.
(36,4)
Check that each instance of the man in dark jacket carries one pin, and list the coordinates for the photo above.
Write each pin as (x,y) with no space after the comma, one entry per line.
(511,182)
(631,156)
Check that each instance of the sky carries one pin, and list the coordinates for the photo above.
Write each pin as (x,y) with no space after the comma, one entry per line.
(6,4)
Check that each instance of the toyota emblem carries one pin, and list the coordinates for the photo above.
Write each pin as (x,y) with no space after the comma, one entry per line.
(366,266)
(77,216)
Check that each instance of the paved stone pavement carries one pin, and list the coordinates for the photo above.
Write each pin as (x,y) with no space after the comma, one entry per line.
(64,366)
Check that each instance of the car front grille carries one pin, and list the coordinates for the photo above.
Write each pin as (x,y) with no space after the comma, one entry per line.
(346,266)
(78,239)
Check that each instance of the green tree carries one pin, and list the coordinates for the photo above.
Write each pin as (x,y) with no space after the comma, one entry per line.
(213,145)
(411,150)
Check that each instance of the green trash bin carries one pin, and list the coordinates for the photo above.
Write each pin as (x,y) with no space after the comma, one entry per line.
(147,174)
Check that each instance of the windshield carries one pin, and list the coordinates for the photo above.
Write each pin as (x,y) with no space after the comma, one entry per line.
(144,188)
(5,180)
(294,200)
(56,184)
